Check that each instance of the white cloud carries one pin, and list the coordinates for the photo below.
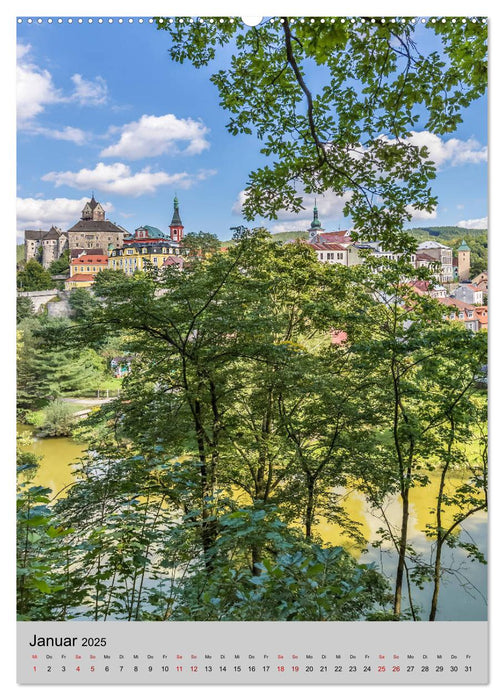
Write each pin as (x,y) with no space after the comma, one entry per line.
(421,213)
(474,223)
(68,133)
(119,179)
(282,227)
(452,152)
(34,87)
(153,136)
(35,90)
(89,92)
(43,213)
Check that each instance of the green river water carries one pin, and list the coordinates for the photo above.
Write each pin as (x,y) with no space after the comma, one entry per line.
(463,595)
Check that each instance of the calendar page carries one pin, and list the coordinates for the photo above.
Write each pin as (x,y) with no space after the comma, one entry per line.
(252,321)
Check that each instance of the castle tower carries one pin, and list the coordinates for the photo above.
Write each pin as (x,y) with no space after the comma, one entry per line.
(316,226)
(93,211)
(176,226)
(464,261)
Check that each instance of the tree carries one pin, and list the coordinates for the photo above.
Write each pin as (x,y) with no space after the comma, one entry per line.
(201,244)
(419,370)
(352,135)
(24,308)
(47,369)
(33,277)
(82,303)
(61,264)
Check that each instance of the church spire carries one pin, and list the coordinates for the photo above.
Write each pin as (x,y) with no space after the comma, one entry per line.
(176,226)
(316,222)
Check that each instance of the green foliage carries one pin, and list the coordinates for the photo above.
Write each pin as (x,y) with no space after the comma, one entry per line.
(61,265)
(333,104)
(201,244)
(82,303)
(57,420)
(20,253)
(24,308)
(296,580)
(46,369)
(33,277)
(205,480)
(239,416)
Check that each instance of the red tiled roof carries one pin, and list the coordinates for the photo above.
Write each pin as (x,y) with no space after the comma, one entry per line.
(335,237)
(81,278)
(90,260)
(326,246)
(422,285)
(448,301)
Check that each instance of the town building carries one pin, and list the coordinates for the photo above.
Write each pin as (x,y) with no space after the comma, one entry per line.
(84,269)
(150,247)
(424,287)
(438,253)
(464,313)
(481,281)
(94,230)
(137,256)
(469,293)
(330,252)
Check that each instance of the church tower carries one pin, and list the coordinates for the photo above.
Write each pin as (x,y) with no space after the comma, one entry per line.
(316,226)
(176,227)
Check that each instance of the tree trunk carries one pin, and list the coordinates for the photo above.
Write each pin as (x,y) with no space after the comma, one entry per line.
(310,508)
(403,541)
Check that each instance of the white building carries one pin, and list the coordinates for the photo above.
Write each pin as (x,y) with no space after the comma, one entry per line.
(439,253)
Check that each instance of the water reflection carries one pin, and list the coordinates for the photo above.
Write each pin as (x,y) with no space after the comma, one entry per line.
(463,592)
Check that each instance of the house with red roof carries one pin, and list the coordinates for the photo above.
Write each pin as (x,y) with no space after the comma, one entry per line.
(83,270)
(461,312)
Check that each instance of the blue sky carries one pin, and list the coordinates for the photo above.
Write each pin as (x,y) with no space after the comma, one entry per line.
(103,108)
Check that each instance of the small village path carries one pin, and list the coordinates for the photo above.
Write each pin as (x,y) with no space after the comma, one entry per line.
(87,401)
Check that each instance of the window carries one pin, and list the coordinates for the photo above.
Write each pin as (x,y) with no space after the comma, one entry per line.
(154,260)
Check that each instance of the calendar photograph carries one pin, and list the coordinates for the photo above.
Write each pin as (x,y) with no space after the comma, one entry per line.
(251,321)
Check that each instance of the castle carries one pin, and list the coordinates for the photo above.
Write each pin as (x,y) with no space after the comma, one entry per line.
(92,231)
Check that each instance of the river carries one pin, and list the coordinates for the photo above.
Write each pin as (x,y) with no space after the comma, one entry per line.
(463,593)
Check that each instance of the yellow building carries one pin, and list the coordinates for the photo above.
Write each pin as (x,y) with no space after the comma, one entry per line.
(136,256)
(79,281)
(84,269)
